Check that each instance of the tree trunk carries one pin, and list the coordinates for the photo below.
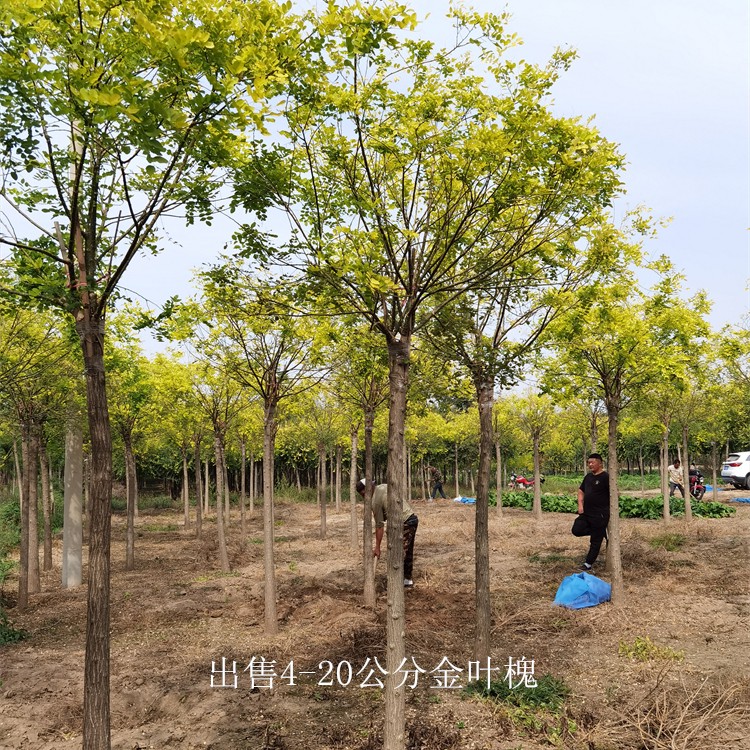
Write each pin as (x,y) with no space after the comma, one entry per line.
(614,559)
(499,479)
(485,398)
(686,475)
(323,489)
(594,437)
(353,479)
(225,482)
(455,467)
(714,488)
(339,453)
(368,561)
(130,473)
(252,484)
(185,487)
(96,712)
(269,439)
(198,488)
(73,508)
(207,493)
(19,476)
(218,454)
(665,474)
(23,491)
(243,461)
(408,476)
(46,505)
(537,502)
(395,718)
(32,467)
(640,469)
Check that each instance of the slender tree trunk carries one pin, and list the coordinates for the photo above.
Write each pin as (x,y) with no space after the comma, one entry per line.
(185,486)
(368,561)
(640,469)
(665,474)
(455,467)
(19,476)
(408,475)
(353,479)
(714,489)
(594,437)
(614,559)
(73,508)
(395,717)
(537,502)
(198,489)
(323,490)
(485,399)
(32,466)
(207,493)
(423,481)
(269,439)
(499,479)
(130,473)
(223,556)
(686,475)
(339,453)
(23,491)
(252,484)
(225,470)
(96,711)
(46,505)
(243,462)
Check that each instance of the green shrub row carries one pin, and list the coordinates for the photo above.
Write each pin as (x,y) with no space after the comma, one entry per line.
(630,507)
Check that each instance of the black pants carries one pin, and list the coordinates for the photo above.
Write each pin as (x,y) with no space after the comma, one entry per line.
(410,531)
(438,487)
(595,526)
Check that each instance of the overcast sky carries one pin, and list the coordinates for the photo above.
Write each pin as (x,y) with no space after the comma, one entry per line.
(668,80)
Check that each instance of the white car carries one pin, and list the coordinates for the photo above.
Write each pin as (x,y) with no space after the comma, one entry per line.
(736,470)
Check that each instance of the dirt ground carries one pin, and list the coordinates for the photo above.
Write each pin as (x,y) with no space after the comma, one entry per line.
(175,618)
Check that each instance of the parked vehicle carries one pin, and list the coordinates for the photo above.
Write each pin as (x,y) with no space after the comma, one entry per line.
(736,470)
(697,485)
(519,482)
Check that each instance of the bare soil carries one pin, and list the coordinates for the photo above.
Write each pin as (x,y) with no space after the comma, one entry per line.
(175,618)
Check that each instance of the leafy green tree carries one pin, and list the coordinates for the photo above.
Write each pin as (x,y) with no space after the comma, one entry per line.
(614,342)
(535,416)
(275,354)
(114,115)
(34,365)
(360,381)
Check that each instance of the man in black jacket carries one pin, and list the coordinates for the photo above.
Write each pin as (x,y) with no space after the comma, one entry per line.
(593,508)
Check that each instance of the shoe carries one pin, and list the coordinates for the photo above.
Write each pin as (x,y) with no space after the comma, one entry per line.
(408,583)
(586,566)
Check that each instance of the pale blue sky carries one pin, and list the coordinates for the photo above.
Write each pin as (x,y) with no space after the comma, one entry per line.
(669,80)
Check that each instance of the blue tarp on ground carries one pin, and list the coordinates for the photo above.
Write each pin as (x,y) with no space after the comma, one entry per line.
(582,590)
(465,500)
(739,499)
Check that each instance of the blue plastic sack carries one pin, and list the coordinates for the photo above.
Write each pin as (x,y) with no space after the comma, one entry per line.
(582,590)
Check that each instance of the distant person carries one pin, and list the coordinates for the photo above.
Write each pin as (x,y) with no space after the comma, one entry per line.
(380,514)
(593,508)
(437,482)
(675,479)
